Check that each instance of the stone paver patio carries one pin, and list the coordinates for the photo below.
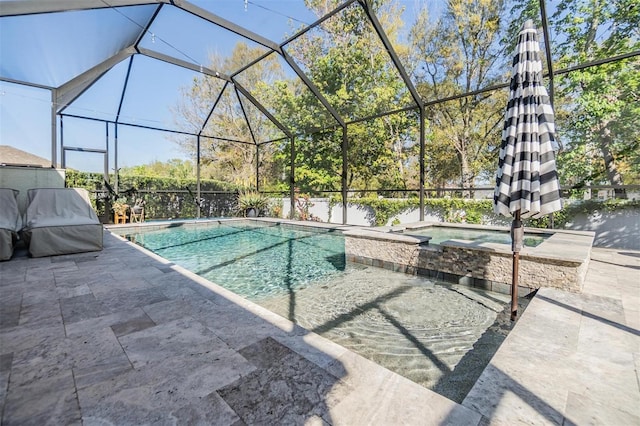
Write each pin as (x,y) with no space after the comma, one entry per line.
(571,358)
(124,337)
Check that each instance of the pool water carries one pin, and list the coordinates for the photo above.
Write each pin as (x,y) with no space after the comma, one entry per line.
(438,335)
(439,234)
(251,261)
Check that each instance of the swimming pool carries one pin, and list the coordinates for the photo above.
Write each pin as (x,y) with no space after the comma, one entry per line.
(438,335)
(252,261)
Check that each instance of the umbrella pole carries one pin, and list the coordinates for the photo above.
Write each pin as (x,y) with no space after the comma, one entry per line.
(517,240)
(514,286)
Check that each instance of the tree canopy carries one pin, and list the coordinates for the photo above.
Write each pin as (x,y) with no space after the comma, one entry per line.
(603,102)
(467,48)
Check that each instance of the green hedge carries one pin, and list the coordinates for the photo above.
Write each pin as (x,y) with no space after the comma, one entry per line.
(449,209)
(164,197)
(169,198)
(477,211)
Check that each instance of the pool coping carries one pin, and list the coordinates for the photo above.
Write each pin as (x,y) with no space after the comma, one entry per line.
(164,224)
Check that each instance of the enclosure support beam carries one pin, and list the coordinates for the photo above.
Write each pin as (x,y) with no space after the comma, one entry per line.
(207,71)
(124,89)
(547,45)
(139,126)
(198,176)
(326,17)
(244,114)
(72,89)
(421,162)
(292,179)
(392,53)
(345,170)
(116,177)
(213,107)
(54,128)
(26,83)
(115,124)
(105,155)
(257,104)
(228,25)
(257,167)
(181,63)
(63,161)
(292,63)
(21,7)
(106,163)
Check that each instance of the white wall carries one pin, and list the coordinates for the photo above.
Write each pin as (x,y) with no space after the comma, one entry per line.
(25,178)
(619,229)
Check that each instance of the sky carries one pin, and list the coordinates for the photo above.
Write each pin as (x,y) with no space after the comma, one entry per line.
(28,51)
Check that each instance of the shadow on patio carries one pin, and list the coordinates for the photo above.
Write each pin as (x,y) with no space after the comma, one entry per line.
(125,337)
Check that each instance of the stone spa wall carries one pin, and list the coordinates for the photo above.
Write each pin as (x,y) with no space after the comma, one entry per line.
(559,262)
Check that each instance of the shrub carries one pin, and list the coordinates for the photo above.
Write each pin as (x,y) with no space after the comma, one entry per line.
(248,200)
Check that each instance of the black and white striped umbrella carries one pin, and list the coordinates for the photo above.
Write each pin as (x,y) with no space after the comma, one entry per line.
(527,181)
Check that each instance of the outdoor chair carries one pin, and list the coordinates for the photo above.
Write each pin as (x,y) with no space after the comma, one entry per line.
(137,211)
(10,222)
(61,221)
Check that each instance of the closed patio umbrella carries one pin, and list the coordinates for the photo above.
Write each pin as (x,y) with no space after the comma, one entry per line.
(526,180)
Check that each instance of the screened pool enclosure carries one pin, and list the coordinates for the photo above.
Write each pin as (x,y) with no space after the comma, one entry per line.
(396,98)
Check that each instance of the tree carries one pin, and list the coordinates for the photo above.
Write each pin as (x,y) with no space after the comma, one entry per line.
(351,68)
(603,101)
(174,168)
(235,121)
(457,53)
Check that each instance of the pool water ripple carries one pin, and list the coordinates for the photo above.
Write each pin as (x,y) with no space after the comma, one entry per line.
(411,325)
